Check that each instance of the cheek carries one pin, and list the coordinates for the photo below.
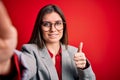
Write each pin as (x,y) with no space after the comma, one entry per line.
(61,34)
(44,34)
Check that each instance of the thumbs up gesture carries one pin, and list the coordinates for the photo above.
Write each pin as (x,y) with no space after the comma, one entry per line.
(79,57)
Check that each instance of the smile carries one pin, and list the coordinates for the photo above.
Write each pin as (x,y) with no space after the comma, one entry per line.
(53,35)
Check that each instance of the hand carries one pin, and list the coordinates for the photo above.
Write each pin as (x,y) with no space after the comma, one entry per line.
(8,35)
(8,40)
(79,57)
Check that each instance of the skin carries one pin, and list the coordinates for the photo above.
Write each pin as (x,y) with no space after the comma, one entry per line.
(79,57)
(53,35)
(8,40)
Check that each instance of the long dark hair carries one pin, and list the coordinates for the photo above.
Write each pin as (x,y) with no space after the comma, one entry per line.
(37,36)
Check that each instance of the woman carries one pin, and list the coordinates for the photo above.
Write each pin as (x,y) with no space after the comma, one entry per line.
(47,56)
(52,57)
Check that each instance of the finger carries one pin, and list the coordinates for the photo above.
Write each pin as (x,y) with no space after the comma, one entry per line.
(79,55)
(80,58)
(80,64)
(80,47)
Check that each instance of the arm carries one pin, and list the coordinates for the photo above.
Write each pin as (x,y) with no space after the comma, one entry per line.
(85,73)
(8,40)
(29,61)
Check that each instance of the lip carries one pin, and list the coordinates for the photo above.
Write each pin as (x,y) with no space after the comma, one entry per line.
(53,35)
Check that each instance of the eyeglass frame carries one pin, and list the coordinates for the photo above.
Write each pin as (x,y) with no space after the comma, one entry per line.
(55,25)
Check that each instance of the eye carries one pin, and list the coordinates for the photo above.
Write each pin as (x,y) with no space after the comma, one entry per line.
(46,24)
(58,23)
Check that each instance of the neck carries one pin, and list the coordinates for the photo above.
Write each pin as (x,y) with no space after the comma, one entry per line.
(5,67)
(53,48)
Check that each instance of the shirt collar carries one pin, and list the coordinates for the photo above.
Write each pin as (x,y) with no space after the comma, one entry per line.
(58,54)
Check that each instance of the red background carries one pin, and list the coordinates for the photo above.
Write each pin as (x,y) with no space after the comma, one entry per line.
(95,22)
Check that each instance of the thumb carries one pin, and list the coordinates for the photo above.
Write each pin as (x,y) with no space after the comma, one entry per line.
(80,47)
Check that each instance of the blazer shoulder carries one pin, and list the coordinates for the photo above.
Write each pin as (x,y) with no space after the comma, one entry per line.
(72,48)
(29,47)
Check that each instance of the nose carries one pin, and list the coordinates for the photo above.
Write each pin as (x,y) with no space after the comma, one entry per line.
(52,28)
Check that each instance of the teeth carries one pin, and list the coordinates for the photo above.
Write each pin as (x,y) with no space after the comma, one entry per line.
(52,35)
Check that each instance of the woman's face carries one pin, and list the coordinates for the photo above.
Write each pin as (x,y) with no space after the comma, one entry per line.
(52,27)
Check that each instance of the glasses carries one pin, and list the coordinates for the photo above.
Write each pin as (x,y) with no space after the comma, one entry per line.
(48,25)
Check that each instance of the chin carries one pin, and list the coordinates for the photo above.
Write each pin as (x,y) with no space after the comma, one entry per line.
(53,40)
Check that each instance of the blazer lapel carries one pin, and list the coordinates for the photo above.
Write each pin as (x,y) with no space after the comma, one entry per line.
(49,64)
(66,65)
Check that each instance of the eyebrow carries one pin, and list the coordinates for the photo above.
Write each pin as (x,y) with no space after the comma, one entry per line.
(54,21)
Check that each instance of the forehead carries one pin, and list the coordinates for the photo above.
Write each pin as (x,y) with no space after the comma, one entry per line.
(52,17)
